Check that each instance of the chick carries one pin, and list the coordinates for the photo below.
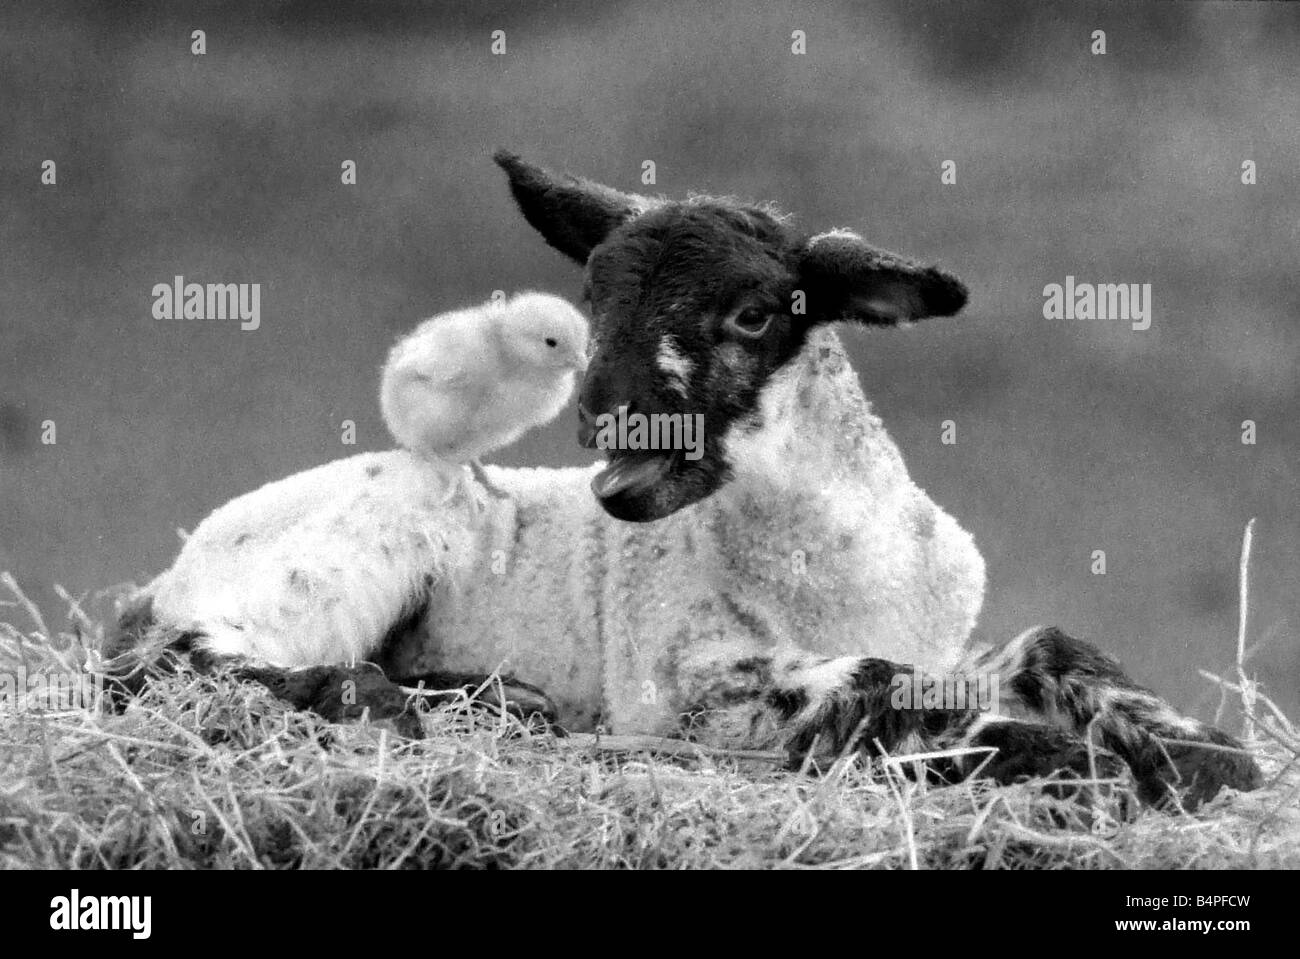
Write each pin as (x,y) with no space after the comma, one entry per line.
(471,381)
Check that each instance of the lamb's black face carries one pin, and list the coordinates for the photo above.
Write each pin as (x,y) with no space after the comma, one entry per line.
(694,306)
(691,314)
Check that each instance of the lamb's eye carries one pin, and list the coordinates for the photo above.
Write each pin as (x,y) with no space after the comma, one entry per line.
(550,341)
(749,321)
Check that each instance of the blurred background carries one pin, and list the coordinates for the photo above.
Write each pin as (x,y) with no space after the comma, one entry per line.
(1073,436)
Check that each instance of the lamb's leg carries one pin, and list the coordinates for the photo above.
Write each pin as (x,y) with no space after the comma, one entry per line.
(807,704)
(804,703)
(343,693)
(1072,684)
(1008,750)
(797,701)
(134,651)
(335,693)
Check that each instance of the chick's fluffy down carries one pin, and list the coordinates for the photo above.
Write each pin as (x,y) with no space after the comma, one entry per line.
(471,381)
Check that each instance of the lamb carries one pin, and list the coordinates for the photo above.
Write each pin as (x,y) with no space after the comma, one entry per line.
(769,594)
(467,382)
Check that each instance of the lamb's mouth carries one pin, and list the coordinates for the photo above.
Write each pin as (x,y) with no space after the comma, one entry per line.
(633,473)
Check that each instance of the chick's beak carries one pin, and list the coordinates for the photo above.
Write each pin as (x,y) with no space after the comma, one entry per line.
(580,362)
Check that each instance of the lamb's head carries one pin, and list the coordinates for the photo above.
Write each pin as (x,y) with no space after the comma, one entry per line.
(697,305)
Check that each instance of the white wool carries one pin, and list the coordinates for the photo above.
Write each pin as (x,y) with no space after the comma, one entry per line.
(314,568)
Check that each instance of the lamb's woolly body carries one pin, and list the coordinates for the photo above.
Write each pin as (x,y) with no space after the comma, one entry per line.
(315,568)
(821,544)
(828,531)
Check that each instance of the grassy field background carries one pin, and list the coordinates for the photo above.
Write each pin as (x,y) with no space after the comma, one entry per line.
(1073,436)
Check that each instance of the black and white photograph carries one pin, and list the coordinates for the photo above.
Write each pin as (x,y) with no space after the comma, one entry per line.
(607,435)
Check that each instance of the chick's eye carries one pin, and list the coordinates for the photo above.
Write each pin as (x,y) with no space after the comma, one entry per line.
(750,321)
(550,341)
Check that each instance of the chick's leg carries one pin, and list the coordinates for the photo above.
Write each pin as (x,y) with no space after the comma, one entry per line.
(481,475)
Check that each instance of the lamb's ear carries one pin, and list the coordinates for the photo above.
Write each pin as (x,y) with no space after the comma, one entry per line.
(572,215)
(845,278)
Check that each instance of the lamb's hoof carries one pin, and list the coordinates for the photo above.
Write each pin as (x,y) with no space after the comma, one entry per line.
(342,694)
(526,702)
(1027,751)
(1194,771)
